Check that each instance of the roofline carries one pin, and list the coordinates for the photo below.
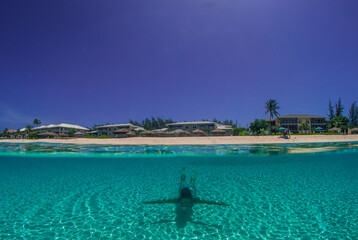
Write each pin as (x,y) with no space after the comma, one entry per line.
(190,123)
(118,125)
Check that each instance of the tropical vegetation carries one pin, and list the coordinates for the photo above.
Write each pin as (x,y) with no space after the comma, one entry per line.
(271,107)
(259,126)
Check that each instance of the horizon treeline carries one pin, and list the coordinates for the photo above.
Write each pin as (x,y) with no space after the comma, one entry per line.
(158,123)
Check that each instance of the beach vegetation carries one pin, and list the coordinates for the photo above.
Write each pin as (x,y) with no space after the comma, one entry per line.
(28,129)
(353,115)
(331,110)
(340,122)
(271,107)
(5,133)
(339,108)
(33,136)
(97,137)
(321,133)
(304,127)
(71,132)
(239,131)
(152,123)
(37,122)
(259,126)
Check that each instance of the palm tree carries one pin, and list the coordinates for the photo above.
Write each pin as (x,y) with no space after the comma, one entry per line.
(37,122)
(28,129)
(339,108)
(271,107)
(331,110)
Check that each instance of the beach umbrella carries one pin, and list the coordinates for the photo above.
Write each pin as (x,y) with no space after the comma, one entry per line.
(334,130)
(180,133)
(282,128)
(199,132)
(122,131)
(130,134)
(218,132)
(63,135)
(146,134)
(319,128)
(354,130)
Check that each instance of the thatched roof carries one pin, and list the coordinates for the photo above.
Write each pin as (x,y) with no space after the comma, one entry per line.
(130,134)
(122,131)
(63,135)
(354,130)
(146,134)
(47,134)
(160,134)
(199,132)
(335,130)
(218,132)
(181,132)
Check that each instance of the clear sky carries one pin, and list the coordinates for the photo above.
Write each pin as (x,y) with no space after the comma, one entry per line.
(90,62)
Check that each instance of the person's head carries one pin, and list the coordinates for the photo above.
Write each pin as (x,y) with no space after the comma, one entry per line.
(186,197)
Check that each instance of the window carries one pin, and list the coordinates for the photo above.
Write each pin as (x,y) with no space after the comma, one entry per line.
(194,126)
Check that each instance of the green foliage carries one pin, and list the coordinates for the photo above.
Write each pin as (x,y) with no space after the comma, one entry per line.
(353,115)
(28,129)
(331,110)
(97,137)
(243,133)
(71,132)
(304,126)
(325,133)
(340,122)
(339,108)
(237,130)
(33,136)
(257,125)
(262,131)
(271,107)
(37,122)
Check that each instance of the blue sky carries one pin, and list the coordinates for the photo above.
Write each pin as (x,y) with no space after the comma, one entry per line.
(90,62)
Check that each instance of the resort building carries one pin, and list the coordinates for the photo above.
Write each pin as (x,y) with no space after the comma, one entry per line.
(55,130)
(110,130)
(300,122)
(204,126)
(63,128)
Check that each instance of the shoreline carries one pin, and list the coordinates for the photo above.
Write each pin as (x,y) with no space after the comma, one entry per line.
(169,141)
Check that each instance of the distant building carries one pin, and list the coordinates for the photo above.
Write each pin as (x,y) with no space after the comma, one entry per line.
(204,126)
(294,121)
(108,130)
(63,128)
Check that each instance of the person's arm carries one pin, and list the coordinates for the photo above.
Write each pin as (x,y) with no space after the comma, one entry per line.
(162,201)
(203,201)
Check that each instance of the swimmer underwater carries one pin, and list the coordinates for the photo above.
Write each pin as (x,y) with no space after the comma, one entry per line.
(187,194)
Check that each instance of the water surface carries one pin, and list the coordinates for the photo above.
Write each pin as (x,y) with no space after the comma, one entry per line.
(75,191)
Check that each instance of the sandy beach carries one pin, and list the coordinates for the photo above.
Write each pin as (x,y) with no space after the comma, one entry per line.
(196,140)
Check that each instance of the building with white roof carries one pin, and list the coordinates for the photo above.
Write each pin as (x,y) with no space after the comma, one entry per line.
(58,128)
(202,125)
(108,130)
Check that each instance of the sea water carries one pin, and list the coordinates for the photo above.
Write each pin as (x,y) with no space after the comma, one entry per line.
(293,191)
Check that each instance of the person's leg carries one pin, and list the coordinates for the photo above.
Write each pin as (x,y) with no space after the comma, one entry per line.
(182,179)
(192,183)
(192,178)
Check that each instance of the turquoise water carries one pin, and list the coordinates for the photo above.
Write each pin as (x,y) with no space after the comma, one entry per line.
(80,192)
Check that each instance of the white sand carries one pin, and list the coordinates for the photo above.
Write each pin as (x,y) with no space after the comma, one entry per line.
(196,140)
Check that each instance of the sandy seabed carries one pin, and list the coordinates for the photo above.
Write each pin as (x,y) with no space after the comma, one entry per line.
(196,140)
